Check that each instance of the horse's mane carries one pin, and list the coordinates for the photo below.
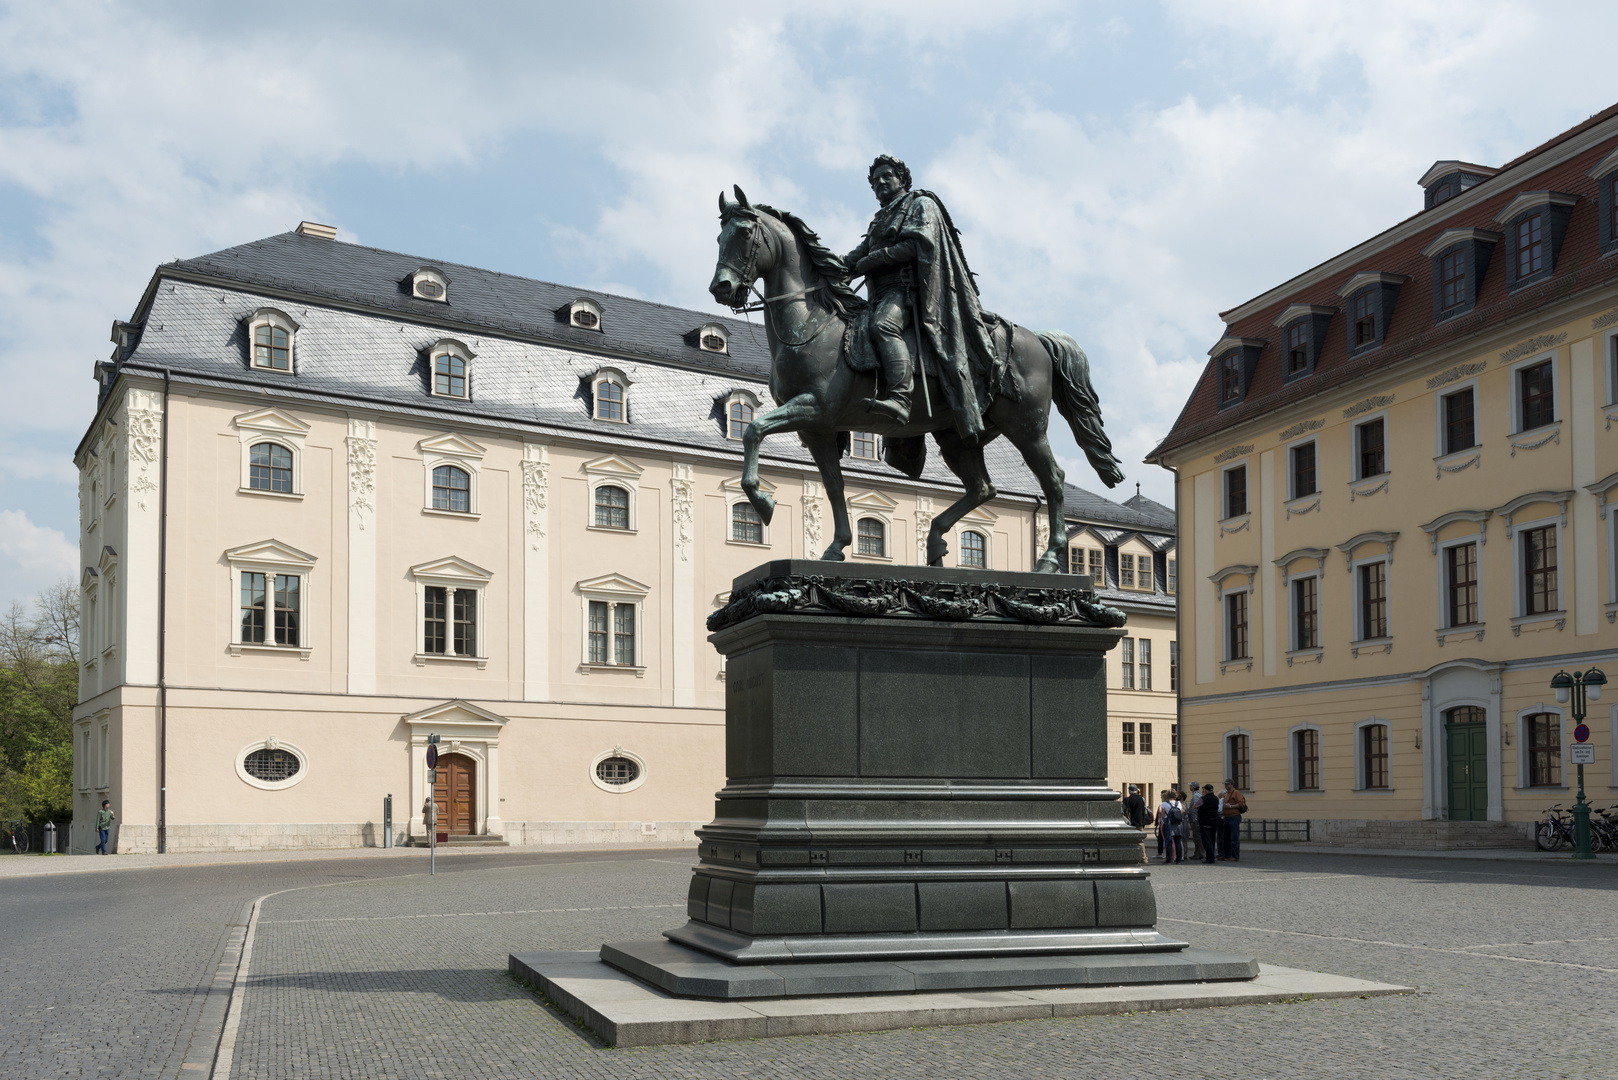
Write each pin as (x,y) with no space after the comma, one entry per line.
(826,263)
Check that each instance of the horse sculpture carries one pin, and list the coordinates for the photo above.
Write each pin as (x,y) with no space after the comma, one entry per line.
(808,305)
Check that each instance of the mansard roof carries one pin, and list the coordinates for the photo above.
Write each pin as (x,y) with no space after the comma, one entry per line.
(1562,164)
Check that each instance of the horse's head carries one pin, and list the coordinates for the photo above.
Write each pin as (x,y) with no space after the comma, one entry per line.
(744,251)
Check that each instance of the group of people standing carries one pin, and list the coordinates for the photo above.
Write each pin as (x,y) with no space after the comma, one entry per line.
(1211,824)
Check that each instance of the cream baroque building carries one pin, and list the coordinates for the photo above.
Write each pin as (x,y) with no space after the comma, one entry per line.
(336,499)
(1394,480)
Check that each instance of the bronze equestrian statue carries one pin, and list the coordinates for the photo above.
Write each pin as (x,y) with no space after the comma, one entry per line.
(920,357)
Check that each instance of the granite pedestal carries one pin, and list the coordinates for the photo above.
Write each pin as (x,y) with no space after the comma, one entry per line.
(916,764)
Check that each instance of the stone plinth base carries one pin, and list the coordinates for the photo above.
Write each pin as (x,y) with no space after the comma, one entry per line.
(627,1012)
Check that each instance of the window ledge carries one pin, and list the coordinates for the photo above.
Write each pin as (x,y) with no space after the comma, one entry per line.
(1610,411)
(274,371)
(109,652)
(1306,791)
(89,663)
(871,558)
(1373,791)
(610,529)
(640,671)
(1367,486)
(296,496)
(451,513)
(1383,643)
(1557,617)
(1235,523)
(1457,461)
(1541,787)
(1534,438)
(301,651)
(1612,612)
(1245,663)
(1297,506)
(1318,655)
(748,543)
(449,397)
(1455,633)
(451,658)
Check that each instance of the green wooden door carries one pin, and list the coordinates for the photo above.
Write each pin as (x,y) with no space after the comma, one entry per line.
(1468,772)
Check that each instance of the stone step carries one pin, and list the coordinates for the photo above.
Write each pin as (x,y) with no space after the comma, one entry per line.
(457,840)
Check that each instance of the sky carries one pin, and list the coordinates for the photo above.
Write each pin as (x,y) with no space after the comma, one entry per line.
(1123,172)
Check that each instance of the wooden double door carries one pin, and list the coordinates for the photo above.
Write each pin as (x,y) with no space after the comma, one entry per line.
(455,794)
(1468,747)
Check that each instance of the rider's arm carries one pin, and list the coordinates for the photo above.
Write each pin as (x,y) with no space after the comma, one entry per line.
(860,251)
(901,254)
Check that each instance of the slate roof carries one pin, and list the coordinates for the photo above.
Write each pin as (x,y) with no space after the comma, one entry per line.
(1413,328)
(362,339)
(1139,513)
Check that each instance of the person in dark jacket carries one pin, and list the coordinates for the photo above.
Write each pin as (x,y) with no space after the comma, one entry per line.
(1135,808)
(1208,818)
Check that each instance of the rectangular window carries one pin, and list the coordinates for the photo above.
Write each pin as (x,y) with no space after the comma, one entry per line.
(1374,600)
(623,634)
(1146,738)
(1306,613)
(1537,395)
(1460,425)
(1544,750)
(1365,317)
(1531,245)
(1174,665)
(1098,568)
(1236,626)
(1174,576)
(1126,657)
(598,631)
(466,619)
(1236,491)
(1461,575)
(1452,275)
(1303,470)
(1143,663)
(270,617)
(253,621)
(1372,448)
(1230,376)
(1375,751)
(1174,739)
(1126,571)
(1306,745)
(1143,578)
(1129,736)
(435,619)
(863,445)
(1241,770)
(1298,347)
(1539,570)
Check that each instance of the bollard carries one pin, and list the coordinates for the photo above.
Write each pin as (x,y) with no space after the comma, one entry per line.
(49,846)
(387,820)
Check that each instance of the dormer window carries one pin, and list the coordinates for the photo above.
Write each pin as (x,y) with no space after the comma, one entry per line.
(1297,348)
(1371,297)
(1303,329)
(1535,223)
(1237,357)
(609,389)
(582,313)
(1447,179)
(711,337)
(271,333)
(430,283)
(740,409)
(1365,318)
(451,368)
(1460,259)
(1605,174)
(1230,376)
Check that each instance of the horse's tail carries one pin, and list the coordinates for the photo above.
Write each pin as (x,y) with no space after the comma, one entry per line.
(1076,399)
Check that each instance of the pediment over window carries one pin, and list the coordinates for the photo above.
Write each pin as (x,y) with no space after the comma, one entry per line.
(1348,546)
(452,568)
(451,445)
(614,585)
(272,422)
(612,465)
(88,579)
(1284,563)
(273,316)
(1522,502)
(453,712)
(1219,577)
(1478,517)
(1531,200)
(979,515)
(872,500)
(452,345)
(1370,277)
(1298,311)
(1450,237)
(270,553)
(733,486)
(108,561)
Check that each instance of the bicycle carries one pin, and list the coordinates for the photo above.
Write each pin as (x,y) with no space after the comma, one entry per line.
(17,836)
(1555,830)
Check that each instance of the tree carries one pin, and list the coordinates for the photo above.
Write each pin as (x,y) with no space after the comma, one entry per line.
(39,685)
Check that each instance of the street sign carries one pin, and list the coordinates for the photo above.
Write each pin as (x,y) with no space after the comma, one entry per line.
(432,777)
(432,756)
(1583,754)
(1581,733)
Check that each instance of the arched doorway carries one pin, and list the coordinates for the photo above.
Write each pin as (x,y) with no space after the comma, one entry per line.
(455,794)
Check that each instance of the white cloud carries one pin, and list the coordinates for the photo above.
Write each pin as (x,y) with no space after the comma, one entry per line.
(34,556)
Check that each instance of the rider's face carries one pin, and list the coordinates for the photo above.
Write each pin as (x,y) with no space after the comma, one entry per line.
(886,183)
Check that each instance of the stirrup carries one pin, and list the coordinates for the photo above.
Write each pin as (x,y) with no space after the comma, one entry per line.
(897,408)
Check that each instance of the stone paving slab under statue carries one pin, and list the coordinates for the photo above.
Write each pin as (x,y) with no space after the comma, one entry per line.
(625,1011)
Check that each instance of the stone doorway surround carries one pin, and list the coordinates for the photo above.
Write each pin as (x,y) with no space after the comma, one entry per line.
(462,728)
(1466,681)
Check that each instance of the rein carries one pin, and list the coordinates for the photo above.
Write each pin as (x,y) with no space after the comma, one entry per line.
(748,272)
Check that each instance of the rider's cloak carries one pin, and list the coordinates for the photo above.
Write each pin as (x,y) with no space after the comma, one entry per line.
(955,333)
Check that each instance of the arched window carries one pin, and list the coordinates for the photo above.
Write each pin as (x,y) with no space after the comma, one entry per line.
(452,489)
(1374,755)
(612,507)
(272,347)
(1238,754)
(269,467)
(741,414)
(449,375)
(873,537)
(745,524)
(974,549)
(609,400)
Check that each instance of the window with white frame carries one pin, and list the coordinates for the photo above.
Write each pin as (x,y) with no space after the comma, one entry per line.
(1458,429)
(1126,658)
(107,623)
(430,283)
(1143,663)
(271,764)
(1088,560)
(1372,771)
(739,413)
(1174,576)
(871,537)
(1126,570)
(269,589)
(271,335)
(614,489)
(450,610)
(1236,637)
(1459,568)
(1235,491)
(1541,587)
(710,337)
(613,607)
(1540,733)
(1305,740)
(1370,448)
(974,549)
(743,523)
(609,395)
(451,465)
(1239,759)
(1305,612)
(874,529)
(862,444)
(583,313)
(1301,475)
(272,443)
(1371,599)
(451,365)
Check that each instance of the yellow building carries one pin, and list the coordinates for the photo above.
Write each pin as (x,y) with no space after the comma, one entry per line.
(1393,480)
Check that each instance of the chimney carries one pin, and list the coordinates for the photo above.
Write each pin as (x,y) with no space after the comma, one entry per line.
(311,228)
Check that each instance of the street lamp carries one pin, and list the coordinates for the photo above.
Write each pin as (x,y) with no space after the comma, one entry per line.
(1577,687)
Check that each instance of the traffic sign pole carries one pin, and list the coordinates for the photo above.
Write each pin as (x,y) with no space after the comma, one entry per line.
(432,805)
(1579,688)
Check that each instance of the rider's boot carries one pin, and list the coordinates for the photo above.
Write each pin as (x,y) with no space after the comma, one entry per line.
(897,375)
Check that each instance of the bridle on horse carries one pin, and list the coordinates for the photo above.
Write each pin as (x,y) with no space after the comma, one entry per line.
(747,274)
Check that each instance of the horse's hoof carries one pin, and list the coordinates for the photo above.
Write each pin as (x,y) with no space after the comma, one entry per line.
(764,503)
(936,562)
(1047,564)
(936,550)
(832,554)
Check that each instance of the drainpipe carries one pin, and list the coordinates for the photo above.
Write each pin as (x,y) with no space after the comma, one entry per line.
(162,629)
(1179,639)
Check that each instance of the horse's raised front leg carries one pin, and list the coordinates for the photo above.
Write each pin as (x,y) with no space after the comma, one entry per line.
(965,460)
(828,453)
(785,417)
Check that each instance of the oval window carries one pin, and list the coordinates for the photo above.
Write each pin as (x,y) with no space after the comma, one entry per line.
(430,289)
(617,770)
(713,343)
(271,766)
(586,319)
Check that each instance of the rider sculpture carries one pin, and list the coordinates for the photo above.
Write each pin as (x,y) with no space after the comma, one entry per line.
(916,277)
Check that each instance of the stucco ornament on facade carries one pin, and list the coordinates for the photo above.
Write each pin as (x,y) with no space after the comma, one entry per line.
(1459,371)
(536,482)
(1233,452)
(1601,322)
(361,473)
(1380,401)
(811,517)
(1533,344)
(144,440)
(924,521)
(1299,428)
(682,504)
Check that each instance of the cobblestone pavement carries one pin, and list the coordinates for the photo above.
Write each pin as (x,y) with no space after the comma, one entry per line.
(405,977)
